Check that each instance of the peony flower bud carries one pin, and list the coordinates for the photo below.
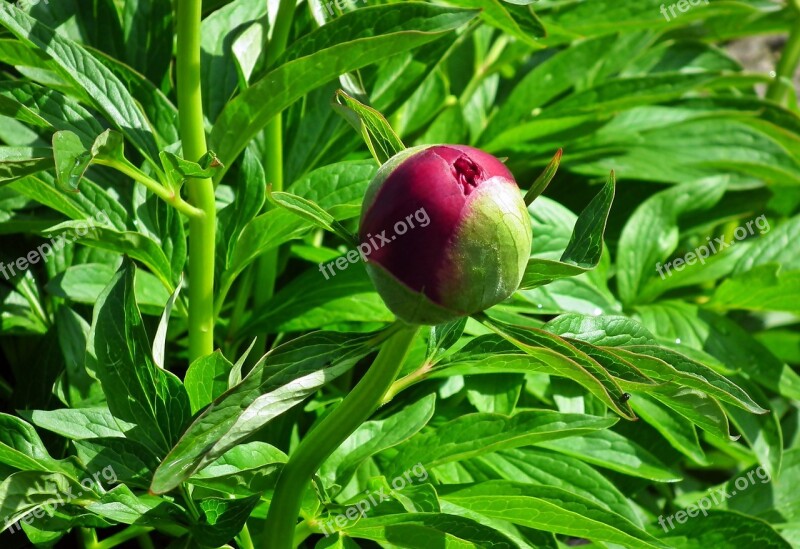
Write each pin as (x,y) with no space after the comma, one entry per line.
(447,231)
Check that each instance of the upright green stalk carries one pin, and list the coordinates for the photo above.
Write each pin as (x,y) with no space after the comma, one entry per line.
(790,57)
(330,434)
(266,268)
(200,191)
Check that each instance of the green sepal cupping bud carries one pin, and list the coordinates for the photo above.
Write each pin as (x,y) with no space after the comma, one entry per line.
(447,233)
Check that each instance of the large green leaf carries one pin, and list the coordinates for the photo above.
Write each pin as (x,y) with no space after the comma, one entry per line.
(107,92)
(137,390)
(541,467)
(282,379)
(549,508)
(420,530)
(374,436)
(350,42)
(616,452)
(651,233)
(477,434)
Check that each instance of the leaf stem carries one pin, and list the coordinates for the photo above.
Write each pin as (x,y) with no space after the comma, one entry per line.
(356,408)
(267,266)
(202,230)
(407,381)
(187,499)
(154,186)
(301,532)
(787,65)
(244,540)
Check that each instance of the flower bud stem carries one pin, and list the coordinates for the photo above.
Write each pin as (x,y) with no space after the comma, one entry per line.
(329,435)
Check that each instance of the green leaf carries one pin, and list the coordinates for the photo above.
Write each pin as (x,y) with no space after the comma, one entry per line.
(92,202)
(613,451)
(21,447)
(244,470)
(76,386)
(421,530)
(27,491)
(134,244)
(160,339)
(206,379)
(312,212)
(311,302)
(724,530)
(723,339)
(137,390)
(763,433)
(544,179)
(531,340)
(494,393)
(548,508)
(373,437)
(605,330)
(651,233)
(221,519)
(84,283)
(179,170)
(123,506)
(379,136)
(282,379)
(696,406)
(72,158)
(81,423)
(108,94)
(338,189)
(477,434)
(679,432)
(131,462)
(771,247)
(585,247)
(18,162)
(46,108)
(541,467)
(347,43)
(495,354)
(545,81)
(153,102)
(251,188)
(221,30)
(516,21)
(766,287)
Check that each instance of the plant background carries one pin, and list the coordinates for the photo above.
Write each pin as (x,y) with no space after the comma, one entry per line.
(524,432)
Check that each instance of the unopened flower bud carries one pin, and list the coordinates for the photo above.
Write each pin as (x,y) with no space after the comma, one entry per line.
(448,232)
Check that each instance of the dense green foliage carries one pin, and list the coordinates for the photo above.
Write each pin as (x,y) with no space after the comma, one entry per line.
(639,390)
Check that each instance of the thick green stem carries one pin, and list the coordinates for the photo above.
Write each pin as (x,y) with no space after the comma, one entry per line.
(201,191)
(356,408)
(790,57)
